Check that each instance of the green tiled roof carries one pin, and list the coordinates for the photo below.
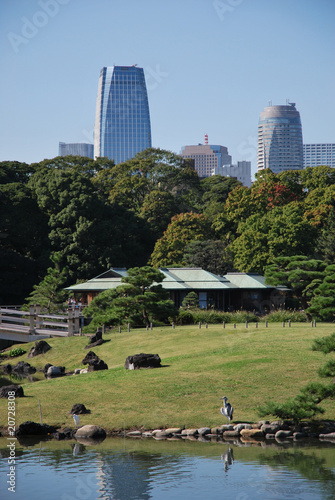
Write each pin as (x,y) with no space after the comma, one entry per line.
(178,278)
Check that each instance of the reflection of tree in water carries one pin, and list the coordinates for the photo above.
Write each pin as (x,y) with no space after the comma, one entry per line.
(309,466)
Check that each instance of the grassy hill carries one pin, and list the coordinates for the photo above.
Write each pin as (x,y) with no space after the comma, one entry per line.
(248,365)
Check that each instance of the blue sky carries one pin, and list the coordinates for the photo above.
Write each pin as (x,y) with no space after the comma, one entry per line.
(211,67)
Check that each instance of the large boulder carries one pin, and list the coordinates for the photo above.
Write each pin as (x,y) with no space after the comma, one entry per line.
(24,369)
(94,362)
(79,409)
(55,371)
(34,429)
(90,432)
(40,347)
(95,339)
(142,360)
(17,389)
(89,357)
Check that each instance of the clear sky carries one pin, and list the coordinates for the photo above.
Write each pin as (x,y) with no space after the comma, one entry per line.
(211,67)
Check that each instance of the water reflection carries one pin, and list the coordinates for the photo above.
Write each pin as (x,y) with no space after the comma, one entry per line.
(146,469)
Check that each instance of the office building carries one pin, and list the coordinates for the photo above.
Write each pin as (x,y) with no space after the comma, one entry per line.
(122,120)
(319,154)
(207,157)
(241,171)
(280,139)
(76,149)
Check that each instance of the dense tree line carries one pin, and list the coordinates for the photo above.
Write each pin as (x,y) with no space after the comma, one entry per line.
(72,217)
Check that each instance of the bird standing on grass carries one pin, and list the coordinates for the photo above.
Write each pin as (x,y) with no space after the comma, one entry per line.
(227,409)
(76,420)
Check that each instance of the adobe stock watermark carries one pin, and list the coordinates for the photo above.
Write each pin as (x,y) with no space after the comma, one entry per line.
(154,76)
(223,7)
(30,27)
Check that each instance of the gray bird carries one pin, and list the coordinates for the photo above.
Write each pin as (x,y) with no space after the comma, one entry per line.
(227,409)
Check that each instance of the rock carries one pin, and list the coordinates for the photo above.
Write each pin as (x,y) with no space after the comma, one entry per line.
(17,389)
(97,364)
(84,370)
(283,434)
(239,427)
(142,360)
(46,367)
(230,434)
(299,435)
(189,432)
(7,369)
(94,362)
(270,428)
(34,429)
(79,409)
(134,434)
(252,433)
(95,339)
(330,435)
(90,432)
(56,371)
(173,430)
(40,347)
(203,431)
(216,430)
(23,368)
(89,357)
(227,427)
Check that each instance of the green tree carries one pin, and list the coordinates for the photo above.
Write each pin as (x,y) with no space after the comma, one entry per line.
(298,273)
(24,246)
(191,300)
(212,255)
(183,228)
(317,177)
(141,298)
(89,233)
(129,183)
(322,305)
(157,209)
(49,293)
(281,231)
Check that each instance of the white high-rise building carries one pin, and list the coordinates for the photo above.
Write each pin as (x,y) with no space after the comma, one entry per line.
(280,139)
(319,154)
(241,171)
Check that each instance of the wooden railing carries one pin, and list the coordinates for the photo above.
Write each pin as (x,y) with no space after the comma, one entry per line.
(32,325)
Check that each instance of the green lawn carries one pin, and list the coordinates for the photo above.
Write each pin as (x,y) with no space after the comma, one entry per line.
(248,365)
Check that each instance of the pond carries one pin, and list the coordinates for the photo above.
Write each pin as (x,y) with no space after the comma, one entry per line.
(143,469)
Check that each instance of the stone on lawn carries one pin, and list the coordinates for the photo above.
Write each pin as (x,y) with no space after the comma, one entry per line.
(142,360)
(40,347)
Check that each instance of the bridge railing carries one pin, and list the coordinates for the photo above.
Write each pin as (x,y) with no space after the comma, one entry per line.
(33,323)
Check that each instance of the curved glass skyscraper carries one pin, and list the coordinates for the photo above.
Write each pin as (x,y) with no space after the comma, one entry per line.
(122,120)
(280,139)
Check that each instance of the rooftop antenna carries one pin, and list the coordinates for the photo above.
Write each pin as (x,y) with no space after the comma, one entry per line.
(206,138)
(287,102)
(270,103)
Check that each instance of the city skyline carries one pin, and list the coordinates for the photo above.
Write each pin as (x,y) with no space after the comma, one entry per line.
(210,66)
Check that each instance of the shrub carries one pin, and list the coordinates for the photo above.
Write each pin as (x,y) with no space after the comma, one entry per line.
(285,315)
(328,370)
(184,318)
(17,351)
